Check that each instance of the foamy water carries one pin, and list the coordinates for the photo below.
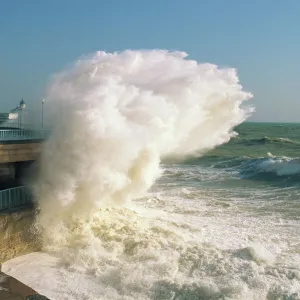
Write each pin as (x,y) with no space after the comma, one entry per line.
(105,234)
(177,244)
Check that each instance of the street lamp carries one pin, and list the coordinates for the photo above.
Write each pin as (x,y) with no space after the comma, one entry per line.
(21,107)
(43,101)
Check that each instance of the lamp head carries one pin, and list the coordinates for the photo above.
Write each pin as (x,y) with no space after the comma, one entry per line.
(22,104)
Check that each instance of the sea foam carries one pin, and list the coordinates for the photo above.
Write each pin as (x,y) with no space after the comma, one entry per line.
(115,115)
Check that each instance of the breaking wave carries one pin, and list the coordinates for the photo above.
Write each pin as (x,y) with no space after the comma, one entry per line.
(268,140)
(279,166)
(270,167)
(115,115)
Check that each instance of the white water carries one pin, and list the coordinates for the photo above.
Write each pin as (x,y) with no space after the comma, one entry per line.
(281,166)
(115,117)
(173,244)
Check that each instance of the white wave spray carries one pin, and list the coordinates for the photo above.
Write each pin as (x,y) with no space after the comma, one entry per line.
(114,117)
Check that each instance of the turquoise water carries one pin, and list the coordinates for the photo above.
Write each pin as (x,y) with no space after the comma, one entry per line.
(260,165)
(257,139)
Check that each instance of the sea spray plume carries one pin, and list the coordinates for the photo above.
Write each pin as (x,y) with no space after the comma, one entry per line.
(115,115)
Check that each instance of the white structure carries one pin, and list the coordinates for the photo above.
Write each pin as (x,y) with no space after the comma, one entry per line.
(13,118)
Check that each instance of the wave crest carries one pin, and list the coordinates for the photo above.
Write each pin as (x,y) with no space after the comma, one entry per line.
(281,166)
(270,167)
(266,140)
(115,115)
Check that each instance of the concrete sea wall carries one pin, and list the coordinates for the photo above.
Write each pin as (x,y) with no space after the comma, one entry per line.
(16,152)
(18,235)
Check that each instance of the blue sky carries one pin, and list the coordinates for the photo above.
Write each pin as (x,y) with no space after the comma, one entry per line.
(261,38)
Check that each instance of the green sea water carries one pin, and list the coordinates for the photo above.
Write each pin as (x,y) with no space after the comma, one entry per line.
(245,194)
(261,152)
(258,139)
(259,168)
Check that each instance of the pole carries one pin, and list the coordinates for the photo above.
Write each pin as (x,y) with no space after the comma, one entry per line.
(21,118)
(21,107)
(42,114)
(43,101)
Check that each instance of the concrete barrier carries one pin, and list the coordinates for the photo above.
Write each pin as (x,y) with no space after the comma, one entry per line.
(17,238)
(16,152)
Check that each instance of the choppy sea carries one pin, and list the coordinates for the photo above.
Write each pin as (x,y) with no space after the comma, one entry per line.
(223,226)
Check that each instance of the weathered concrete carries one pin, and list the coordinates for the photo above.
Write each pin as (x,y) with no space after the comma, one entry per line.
(18,235)
(17,152)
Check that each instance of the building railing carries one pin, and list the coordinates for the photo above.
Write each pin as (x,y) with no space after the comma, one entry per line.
(17,125)
(15,198)
(23,134)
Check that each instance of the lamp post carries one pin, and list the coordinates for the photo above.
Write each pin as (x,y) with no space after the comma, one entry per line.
(43,101)
(21,107)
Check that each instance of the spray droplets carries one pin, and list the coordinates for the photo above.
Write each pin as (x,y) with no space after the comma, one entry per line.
(115,115)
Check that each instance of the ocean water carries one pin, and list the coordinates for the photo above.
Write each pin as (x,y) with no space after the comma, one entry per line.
(171,196)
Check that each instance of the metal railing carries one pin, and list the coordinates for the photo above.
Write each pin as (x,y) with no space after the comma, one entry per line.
(14,198)
(17,125)
(23,134)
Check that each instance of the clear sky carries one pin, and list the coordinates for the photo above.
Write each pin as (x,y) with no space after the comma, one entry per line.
(261,38)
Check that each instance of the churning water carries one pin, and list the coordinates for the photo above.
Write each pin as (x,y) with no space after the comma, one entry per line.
(135,203)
